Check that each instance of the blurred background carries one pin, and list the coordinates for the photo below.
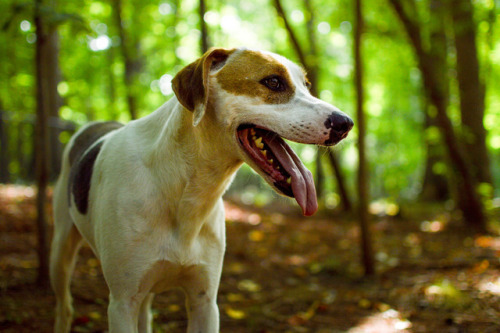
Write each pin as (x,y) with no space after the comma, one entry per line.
(420,78)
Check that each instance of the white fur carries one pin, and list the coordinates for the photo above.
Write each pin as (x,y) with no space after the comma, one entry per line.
(156,218)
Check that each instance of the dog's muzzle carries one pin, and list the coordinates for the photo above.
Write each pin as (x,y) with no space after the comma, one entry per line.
(339,125)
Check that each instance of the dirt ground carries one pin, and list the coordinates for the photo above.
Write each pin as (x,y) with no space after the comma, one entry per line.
(286,273)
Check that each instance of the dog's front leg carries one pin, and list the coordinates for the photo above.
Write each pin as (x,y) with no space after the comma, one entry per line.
(203,313)
(201,287)
(123,314)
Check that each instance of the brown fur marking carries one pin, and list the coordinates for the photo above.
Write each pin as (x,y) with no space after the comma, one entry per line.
(191,83)
(242,75)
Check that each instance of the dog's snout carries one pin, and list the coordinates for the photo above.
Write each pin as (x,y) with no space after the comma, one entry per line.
(339,125)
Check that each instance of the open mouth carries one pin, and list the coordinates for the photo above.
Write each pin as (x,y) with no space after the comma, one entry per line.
(281,166)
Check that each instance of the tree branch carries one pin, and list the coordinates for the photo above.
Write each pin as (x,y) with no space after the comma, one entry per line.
(410,26)
(291,34)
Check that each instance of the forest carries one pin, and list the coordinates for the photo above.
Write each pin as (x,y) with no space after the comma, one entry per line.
(407,234)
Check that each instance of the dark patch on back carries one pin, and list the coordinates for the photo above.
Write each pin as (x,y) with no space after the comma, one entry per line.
(80,184)
(90,135)
(82,160)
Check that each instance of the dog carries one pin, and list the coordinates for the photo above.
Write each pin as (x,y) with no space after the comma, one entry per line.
(147,196)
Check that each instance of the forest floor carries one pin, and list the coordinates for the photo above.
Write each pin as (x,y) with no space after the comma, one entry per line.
(286,273)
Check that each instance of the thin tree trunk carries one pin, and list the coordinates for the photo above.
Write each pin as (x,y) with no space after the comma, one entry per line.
(204,43)
(129,60)
(42,146)
(291,34)
(471,206)
(176,38)
(19,155)
(312,58)
(54,101)
(435,185)
(311,67)
(363,181)
(4,148)
(113,112)
(344,196)
(471,89)
(320,175)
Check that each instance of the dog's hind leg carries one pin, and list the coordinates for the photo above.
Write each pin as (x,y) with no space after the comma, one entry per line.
(145,315)
(65,245)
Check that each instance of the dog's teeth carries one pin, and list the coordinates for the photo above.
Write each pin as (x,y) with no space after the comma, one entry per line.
(277,167)
(254,138)
(258,143)
(264,152)
(252,131)
(289,180)
(270,161)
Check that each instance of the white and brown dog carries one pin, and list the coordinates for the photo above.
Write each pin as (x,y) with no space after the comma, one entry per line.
(147,196)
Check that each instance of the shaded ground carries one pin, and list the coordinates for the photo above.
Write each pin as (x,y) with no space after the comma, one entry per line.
(285,273)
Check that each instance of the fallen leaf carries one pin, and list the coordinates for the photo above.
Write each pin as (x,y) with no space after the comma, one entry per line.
(249,285)
(235,314)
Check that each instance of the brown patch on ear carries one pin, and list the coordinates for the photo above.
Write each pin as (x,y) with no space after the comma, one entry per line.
(190,85)
(242,75)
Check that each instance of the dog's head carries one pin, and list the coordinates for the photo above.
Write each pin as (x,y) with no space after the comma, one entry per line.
(257,98)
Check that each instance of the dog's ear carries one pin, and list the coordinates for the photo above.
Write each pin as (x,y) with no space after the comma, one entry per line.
(191,84)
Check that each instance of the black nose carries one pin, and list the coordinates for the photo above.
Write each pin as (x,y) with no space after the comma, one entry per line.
(339,125)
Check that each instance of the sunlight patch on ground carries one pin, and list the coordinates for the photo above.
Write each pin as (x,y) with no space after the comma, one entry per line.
(490,286)
(387,322)
(383,207)
(236,214)
(488,242)
(432,226)
(17,192)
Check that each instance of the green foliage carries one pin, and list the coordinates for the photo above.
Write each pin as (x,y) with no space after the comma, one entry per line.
(163,36)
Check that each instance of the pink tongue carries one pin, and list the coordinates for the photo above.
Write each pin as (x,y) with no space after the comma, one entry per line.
(302,180)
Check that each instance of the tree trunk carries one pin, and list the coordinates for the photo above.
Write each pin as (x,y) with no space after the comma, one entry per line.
(363,181)
(176,38)
(311,66)
(42,144)
(295,42)
(129,60)
(471,89)
(312,57)
(113,112)
(4,148)
(469,202)
(204,43)
(435,184)
(320,175)
(54,101)
(20,151)
(344,196)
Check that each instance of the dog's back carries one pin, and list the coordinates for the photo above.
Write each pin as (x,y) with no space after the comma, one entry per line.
(78,160)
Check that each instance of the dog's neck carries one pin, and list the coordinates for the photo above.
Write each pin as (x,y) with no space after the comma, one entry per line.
(200,168)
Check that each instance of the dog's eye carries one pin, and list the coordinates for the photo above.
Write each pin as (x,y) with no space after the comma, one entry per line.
(307,84)
(274,82)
